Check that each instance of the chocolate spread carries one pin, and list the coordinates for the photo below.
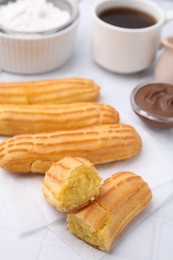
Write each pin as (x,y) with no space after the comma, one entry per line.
(156,98)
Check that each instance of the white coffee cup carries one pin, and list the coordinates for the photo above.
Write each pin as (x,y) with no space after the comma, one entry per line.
(126,50)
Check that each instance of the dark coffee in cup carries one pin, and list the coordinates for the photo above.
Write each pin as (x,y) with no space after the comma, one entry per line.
(127,18)
(118,48)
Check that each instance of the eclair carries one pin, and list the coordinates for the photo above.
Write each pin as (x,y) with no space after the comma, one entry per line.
(35,153)
(121,198)
(49,91)
(71,183)
(27,119)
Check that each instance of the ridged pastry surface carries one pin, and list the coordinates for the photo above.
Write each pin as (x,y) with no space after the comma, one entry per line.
(71,183)
(54,91)
(99,144)
(121,198)
(26,119)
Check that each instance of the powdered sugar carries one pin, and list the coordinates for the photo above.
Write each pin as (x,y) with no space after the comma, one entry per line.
(32,16)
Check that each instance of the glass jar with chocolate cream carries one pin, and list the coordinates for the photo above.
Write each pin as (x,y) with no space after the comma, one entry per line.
(153,103)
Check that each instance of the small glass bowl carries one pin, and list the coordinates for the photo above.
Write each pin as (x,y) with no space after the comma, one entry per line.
(153,119)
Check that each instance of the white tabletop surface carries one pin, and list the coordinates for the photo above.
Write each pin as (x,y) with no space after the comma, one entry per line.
(156,240)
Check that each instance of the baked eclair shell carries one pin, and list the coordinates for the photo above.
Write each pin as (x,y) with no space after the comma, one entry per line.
(71,183)
(26,119)
(50,91)
(120,199)
(35,153)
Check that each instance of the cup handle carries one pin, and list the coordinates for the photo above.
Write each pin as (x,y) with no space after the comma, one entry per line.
(169,16)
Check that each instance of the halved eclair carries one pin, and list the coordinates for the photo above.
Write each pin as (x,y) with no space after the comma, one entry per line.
(120,199)
(71,183)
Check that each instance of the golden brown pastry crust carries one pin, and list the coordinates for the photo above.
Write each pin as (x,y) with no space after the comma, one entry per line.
(99,144)
(71,183)
(26,119)
(54,91)
(120,199)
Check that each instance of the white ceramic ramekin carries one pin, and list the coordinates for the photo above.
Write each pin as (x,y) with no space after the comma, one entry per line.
(33,54)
